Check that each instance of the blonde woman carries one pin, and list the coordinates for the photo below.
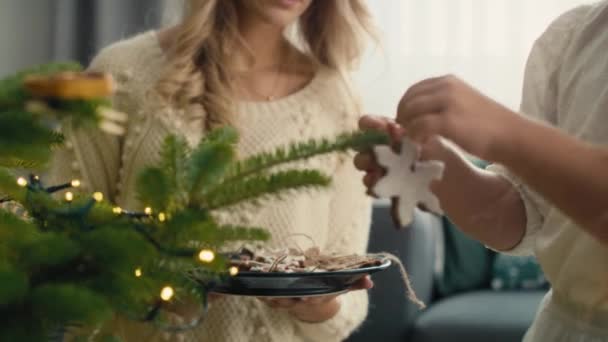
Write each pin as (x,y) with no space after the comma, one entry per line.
(228,62)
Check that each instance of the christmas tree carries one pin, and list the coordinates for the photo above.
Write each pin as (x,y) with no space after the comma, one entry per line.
(78,260)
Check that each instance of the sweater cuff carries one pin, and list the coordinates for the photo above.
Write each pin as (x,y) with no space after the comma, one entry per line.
(534,219)
(353,310)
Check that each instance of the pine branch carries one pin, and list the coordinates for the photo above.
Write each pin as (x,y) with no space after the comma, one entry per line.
(25,132)
(299,151)
(17,163)
(13,93)
(19,326)
(15,231)
(222,135)
(69,303)
(174,156)
(261,186)
(80,112)
(171,251)
(117,247)
(75,256)
(208,233)
(14,286)
(208,165)
(74,259)
(10,188)
(210,160)
(29,155)
(21,126)
(23,138)
(153,188)
(232,233)
(49,250)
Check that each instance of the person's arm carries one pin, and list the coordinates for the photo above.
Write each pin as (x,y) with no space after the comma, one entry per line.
(483,204)
(448,107)
(558,170)
(569,173)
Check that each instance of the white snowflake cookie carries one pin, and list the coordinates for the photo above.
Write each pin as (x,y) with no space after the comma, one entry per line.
(407,181)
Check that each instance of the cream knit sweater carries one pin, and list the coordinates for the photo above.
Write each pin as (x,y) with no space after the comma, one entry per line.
(337,218)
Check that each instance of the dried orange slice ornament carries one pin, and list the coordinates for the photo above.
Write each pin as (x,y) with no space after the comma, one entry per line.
(71,85)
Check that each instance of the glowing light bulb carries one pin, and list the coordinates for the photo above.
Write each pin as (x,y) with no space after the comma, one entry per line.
(36,178)
(148,211)
(69,197)
(98,196)
(22,182)
(138,272)
(75,183)
(117,210)
(167,293)
(234,271)
(206,255)
(162,217)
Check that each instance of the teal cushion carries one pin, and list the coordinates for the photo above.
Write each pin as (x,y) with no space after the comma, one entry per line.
(467,265)
(517,273)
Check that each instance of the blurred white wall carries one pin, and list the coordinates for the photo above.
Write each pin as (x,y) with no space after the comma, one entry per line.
(486,42)
(483,41)
(19,47)
(39,31)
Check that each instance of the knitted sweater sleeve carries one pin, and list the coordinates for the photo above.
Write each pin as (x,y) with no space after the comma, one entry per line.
(90,154)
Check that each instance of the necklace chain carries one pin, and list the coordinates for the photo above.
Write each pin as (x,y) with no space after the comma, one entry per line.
(272,95)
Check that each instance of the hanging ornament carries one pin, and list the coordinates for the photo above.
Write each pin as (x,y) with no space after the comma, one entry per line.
(407,181)
(70,85)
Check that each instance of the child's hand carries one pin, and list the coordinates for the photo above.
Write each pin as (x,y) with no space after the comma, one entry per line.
(448,107)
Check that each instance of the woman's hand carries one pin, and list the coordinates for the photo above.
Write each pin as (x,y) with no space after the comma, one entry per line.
(315,309)
(448,107)
(434,148)
(366,161)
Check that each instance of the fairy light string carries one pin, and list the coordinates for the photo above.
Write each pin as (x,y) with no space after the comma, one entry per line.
(78,210)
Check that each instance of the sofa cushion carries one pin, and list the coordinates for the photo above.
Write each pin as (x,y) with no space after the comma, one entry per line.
(478,316)
(467,263)
(512,272)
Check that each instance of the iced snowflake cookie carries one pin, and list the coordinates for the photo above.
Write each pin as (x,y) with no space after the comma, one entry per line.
(407,181)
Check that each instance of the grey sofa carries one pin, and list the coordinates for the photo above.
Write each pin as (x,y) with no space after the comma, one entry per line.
(479,315)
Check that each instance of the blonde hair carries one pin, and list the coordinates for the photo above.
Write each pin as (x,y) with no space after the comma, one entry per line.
(330,32)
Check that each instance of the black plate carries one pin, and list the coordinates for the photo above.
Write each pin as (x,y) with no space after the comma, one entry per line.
(262,284)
